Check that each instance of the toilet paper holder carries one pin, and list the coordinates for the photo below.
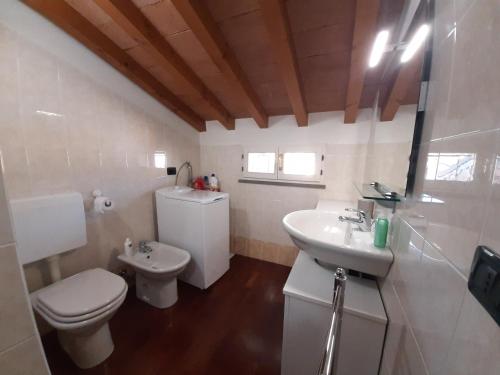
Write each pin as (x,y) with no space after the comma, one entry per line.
(101,203)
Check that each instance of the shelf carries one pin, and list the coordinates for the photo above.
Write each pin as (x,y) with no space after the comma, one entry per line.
(310,185)
(378,192)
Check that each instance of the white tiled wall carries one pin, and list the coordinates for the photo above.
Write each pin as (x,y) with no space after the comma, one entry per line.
(426,294)
(20,347)
(353,153)
(63,128)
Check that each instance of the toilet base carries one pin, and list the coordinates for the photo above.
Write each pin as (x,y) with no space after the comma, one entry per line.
(156,292)
(87,348)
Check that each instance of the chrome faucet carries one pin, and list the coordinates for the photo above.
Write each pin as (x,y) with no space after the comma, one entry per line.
(361,219)
(190,173)
(144,248)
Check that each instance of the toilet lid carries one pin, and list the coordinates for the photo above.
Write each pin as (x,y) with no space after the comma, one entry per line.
(82,293)
(43,311)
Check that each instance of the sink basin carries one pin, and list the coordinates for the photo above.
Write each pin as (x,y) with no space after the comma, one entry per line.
(162,262)
(323,236)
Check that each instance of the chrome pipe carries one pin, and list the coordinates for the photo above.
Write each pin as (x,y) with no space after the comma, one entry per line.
(190,173)
(329,361)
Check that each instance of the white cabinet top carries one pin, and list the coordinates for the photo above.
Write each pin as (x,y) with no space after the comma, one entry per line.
(184,193)
(311,282)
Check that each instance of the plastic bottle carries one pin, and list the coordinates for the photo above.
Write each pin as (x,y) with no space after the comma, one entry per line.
(127,247)
(381,230)
(214,182)
(198,183)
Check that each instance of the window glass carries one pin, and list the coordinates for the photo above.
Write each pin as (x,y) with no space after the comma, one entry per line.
(299,163)
(450,167)
(261,162)
(496,174)
(160,160)
(431,167)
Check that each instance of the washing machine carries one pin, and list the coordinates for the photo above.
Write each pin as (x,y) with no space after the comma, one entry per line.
(198,222)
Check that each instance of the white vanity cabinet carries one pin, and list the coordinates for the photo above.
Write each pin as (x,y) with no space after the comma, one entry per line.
(308,299)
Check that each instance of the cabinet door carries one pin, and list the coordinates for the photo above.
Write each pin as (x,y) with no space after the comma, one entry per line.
(304,335)
(215,240)
(305,329)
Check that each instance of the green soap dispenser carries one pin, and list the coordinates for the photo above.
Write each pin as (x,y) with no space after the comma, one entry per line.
(381,229)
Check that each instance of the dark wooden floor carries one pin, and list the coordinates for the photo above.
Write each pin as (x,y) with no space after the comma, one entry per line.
(234,327)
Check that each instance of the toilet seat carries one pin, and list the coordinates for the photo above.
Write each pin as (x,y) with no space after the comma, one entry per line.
(80,318)
(81,294)
(65,326)
(80,300)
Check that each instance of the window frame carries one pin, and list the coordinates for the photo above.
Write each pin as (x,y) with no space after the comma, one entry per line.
(313,149)
(434,177)
(279,175)
(256,175)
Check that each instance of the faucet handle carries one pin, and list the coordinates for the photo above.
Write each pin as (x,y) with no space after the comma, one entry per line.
(361,213)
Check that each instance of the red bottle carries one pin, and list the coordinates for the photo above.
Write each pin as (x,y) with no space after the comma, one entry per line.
(199,184)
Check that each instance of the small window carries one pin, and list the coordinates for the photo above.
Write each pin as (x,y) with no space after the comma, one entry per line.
(299,163)
(261,162)
(288,163)
(160,159)
(496,174)
(450,167)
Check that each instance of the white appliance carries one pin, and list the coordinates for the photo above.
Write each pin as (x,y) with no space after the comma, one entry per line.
(198,222)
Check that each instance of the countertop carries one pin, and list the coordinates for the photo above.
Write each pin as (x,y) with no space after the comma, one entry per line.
(313,283)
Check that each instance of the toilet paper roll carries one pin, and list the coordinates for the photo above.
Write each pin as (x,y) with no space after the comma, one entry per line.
(102,204)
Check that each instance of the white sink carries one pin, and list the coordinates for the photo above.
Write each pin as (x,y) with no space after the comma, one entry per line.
(323,236)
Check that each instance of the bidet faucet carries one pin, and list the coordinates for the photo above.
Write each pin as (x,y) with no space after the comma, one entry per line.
(144,248)
(361,219)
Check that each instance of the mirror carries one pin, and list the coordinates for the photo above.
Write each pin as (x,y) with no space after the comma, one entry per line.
(398,111)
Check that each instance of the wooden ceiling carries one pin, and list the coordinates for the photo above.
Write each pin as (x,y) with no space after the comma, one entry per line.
(227,59)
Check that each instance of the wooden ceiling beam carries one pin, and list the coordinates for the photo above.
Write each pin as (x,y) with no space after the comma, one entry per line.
(407,76)
(276,19)
(201,23)
(68,19)
(136,25)
(365,27)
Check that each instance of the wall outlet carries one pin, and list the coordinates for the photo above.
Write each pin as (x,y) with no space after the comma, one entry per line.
(484,280)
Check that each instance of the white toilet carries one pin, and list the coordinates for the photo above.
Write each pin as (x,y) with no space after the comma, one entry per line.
(78,307)
(157,266)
